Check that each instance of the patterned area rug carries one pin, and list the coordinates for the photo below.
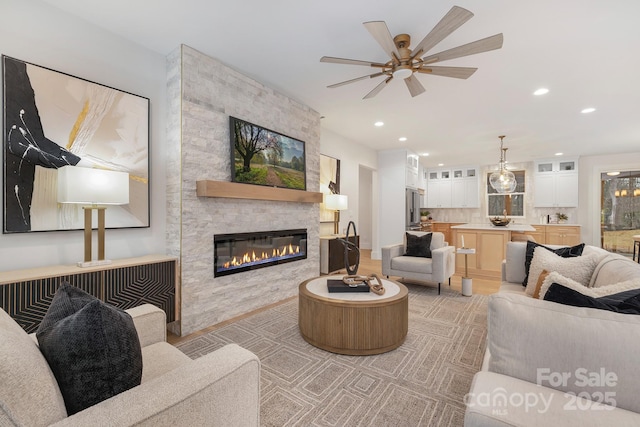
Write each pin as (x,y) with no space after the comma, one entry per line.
(421,383)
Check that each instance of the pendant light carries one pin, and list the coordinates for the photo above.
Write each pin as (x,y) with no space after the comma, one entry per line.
(502,180)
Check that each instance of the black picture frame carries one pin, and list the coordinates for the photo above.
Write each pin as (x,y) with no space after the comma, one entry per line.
(53,119)
(262,156)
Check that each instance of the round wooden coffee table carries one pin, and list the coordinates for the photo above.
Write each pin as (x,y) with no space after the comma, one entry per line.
(354,323)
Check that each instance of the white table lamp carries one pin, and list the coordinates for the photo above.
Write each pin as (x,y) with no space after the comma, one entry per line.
(94,188)
(336,203)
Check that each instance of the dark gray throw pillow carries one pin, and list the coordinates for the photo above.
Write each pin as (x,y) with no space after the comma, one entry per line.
(419,246)
(627,302)
(92,348)
(564,252)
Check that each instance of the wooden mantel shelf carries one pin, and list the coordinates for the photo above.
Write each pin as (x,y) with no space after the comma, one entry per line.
(234,190)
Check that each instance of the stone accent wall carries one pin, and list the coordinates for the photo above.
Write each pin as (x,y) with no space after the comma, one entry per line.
(210,92)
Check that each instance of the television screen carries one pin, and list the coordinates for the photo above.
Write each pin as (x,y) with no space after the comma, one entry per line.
(263,157)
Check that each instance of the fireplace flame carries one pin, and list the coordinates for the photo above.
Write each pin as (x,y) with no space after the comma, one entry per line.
(247,257)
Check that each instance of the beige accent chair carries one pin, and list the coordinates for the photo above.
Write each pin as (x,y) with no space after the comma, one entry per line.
(437,269)
(221,388)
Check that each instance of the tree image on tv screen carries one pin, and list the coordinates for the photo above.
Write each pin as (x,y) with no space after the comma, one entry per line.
(267,158)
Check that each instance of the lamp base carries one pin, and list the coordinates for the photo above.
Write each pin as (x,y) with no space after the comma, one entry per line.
(94,263)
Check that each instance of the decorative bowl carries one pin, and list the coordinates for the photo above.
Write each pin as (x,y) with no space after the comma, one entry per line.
(500,222)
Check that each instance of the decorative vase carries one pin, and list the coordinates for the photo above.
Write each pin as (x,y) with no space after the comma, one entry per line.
(424,218)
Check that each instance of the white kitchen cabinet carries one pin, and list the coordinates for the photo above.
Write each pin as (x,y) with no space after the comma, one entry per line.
(556,183)
(453,188)
(412,171)
(438,188)
(465,191)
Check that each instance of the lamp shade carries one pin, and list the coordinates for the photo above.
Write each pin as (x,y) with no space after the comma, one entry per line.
(92,186)
(336,202)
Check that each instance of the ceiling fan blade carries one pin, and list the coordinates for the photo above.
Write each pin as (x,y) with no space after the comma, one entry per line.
(371,76)
(378,88)
(447,25)
(380,32)
(455,72)
(414,86)
(333,60)
(478,46)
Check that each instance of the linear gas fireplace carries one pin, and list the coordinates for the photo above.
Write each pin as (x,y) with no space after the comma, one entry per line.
(235,253)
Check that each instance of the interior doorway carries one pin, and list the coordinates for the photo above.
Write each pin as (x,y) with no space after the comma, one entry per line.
(619,210)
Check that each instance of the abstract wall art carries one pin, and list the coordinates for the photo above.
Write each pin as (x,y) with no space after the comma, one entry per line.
(53,120)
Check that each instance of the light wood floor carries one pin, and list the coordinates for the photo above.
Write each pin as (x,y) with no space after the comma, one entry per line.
(367,266)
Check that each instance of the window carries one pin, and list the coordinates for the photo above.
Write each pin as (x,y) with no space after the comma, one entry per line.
(512,203)
(620,214)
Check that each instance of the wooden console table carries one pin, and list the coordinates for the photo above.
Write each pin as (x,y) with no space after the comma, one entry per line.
(353,323)
(26,294)
(332,253)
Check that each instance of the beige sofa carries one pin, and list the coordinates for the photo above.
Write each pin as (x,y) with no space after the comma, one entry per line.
(437,269)
(219,389)
(549,364)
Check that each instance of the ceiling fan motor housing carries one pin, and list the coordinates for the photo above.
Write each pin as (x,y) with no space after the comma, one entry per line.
(404,69)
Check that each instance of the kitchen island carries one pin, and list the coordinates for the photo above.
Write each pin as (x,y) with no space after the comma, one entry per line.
(490,243)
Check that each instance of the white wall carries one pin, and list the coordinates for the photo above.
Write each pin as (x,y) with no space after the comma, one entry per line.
(590,169)
(38,33)
(352,157)
(392,191)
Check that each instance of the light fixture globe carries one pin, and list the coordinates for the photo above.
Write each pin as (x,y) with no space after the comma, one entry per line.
(402,72)
(503,180)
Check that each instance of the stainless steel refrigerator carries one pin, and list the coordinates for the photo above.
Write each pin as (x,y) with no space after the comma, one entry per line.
(413,209)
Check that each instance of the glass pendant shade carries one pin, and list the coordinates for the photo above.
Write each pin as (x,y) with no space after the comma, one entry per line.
(503,180)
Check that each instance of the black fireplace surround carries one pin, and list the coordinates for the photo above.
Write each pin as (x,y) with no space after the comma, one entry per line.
(238,252)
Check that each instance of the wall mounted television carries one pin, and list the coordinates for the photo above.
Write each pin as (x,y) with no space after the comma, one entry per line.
(264,157)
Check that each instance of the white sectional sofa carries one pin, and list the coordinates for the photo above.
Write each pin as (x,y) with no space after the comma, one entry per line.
(549,364)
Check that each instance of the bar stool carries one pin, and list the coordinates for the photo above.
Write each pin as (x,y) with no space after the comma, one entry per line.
(636,248)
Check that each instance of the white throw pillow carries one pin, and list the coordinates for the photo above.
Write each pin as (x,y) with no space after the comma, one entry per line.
(602,291)
(578,268)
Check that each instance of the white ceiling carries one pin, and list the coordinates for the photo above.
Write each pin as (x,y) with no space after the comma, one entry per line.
(586,52)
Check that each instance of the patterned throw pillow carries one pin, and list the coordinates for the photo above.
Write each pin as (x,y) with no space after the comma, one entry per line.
(92,348)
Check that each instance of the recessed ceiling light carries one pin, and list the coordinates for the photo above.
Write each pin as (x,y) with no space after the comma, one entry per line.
(613,173)
(541,91)
(424,154)
(559,154)
(402,139)
(588,110)
(378,124)
(440,164)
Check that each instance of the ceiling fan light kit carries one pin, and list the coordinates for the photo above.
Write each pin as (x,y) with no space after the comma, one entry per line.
(405,62)
(403,72)
(503,180)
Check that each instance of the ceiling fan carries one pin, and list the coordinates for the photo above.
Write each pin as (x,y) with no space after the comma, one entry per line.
(405,62)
